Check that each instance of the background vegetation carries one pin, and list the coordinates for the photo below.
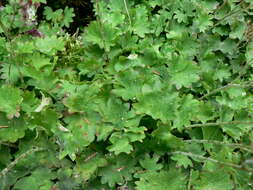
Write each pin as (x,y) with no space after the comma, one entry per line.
(152,94)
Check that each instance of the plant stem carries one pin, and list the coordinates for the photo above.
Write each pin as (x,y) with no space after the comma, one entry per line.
(189,181)
(91,156)
(6,32)
(230,85)
(8,144)
(219,123)
(128,15)
(213,160)
(244,147)
(22,156)
(102,33)
(233,12)
(221,6)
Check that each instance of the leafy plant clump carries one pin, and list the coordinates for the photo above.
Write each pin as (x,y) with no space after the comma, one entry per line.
(152,95)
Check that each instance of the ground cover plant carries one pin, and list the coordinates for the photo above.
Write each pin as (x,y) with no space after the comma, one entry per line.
(152,94)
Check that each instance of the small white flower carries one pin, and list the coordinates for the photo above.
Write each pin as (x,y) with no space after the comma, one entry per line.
(44,102)
(132,56)
(64,129)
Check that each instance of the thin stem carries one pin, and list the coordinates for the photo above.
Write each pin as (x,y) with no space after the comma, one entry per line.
(213,160)
(91,156)
(22,156)
(221,6)
(8,144)
(15,10)
(233,12)
(128,15)
(189,181)
(101,29)
(230,85)
(6,32)
(219,123)
(244,147)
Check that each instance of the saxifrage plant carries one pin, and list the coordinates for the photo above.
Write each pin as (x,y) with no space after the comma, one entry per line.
(152,95)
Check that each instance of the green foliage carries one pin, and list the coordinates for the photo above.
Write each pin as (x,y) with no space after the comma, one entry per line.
(60,17)
(151,95)
(164,179)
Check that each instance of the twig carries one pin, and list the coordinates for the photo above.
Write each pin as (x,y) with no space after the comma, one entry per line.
(219,123)
(245,68)
(102,33)
(91,156)
(244,147)
(213,160)
(128,15)
(15,13)
(221,6)
(9,74)
(230,85)
(8,144)
(3,126)
(22,156)
(6,32)
(189,181)
(233,12)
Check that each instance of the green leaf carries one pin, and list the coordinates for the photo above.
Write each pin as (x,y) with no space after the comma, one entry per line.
(82,129)
(182,160)
(159,105)
(140,21)
(55,16)
(38,61)
(103,131)
(236,92)
(228,46)
(173,179)
(214,180)
(5,155)
(10,100)
(135,133)
(238,130)
(211,133)
(25,47)
(119,171)
(184,73)
(187,111)
(238,30)
(131,83)
(47,119)
(81,100)
(249,53)
(114,110)
(10,72)
(202,22)
(39,1)
(68,16)
(103,35)
(50,45)
(44,183)
(205,112)
(168,140)
(86,167)
(221,74)
(30,102)
(120,144)
(150,163)
(181,16)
